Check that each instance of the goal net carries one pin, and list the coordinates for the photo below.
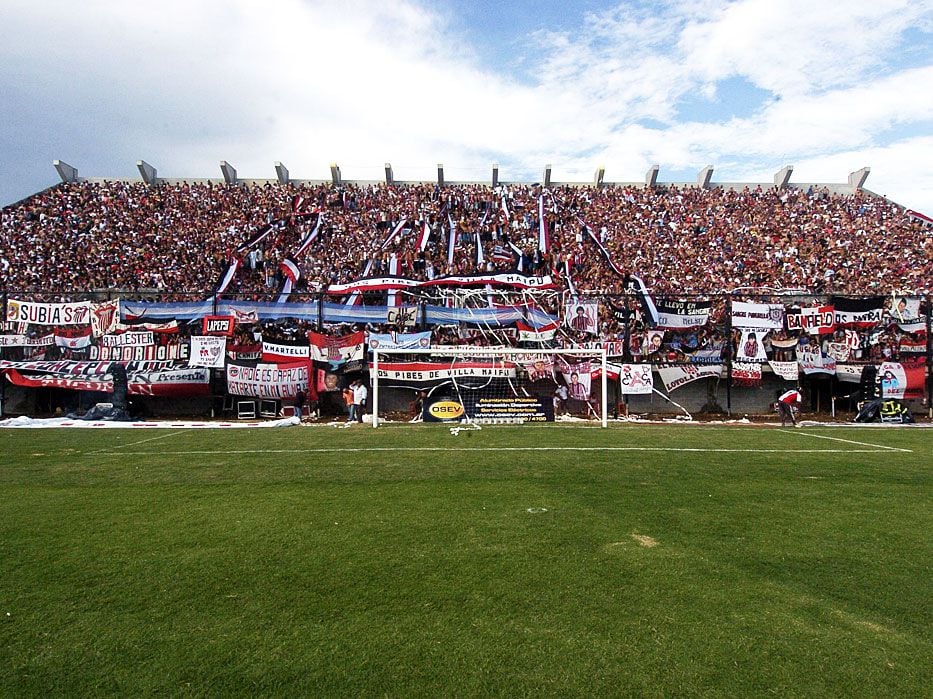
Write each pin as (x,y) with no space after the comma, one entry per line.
(489,385)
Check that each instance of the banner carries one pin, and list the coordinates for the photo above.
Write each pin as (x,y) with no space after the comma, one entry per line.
(436,372)
(769,316)
(746,373)
(813,361)
(750,348)
(581,316)
(675,376)
(515,280)
(245,353)
(267,380)
(900,380)
(128,339)
(679,315)
(105,317)
(208,350)
(818,320)
(218,325)
(159,353)
(335,350)
(48,313)
(395,340)
(577,378)
(26,341)
(789,371)
(73,338)
(540,368)
(283,354)
(528,333)
(636,379)
(170,383)
(849,373)
(860,313)
(840,351)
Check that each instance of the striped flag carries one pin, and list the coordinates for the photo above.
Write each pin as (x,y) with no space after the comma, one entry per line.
(424,237)
(452,240)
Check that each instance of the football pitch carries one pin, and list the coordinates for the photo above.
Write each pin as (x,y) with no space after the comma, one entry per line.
(406,561)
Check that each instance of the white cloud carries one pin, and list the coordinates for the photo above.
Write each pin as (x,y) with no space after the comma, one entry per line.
(184,85)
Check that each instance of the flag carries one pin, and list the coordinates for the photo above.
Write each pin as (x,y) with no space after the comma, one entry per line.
(424,237)
(452,240)
(602,250)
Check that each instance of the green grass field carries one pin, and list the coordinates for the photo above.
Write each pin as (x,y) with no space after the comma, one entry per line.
(404,561)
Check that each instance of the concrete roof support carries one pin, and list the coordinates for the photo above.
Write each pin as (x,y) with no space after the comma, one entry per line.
(857,178)
(547,175)
(599,176)
(281,173)
(65,171)
(704,177)
(782,177)
(229,172)
(147,172)
(390,176)
(440,174)
(651,177)
(495,174)
(335,174)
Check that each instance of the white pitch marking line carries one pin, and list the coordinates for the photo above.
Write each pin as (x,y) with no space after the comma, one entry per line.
(142,441)
(848,441)
(339,450)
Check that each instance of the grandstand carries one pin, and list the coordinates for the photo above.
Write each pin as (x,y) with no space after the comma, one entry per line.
(660,270)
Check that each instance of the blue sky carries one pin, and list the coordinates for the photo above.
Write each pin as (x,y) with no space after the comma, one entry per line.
(746,86)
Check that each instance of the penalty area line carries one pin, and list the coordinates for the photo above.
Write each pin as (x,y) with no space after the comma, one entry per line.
(848,441)
(355,450)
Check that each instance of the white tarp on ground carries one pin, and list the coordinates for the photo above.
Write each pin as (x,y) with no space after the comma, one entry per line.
(34,423)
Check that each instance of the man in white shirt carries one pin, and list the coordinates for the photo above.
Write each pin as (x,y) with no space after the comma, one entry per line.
(360,393)
(787,401)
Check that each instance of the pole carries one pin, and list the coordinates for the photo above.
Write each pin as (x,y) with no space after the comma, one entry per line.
(604,386)
(375,388)
(728,348)
(929,308)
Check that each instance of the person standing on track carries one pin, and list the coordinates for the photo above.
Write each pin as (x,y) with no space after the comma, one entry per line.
(787,401)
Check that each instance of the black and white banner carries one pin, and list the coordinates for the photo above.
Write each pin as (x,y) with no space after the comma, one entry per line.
(679,315)
(859,313)
(431,372)
(766,316)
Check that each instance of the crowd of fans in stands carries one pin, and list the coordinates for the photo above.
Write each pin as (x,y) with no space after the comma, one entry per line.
(179,238)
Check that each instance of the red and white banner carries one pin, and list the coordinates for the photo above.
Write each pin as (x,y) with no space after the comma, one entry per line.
(636,379)
(510,279)
(208,350)
(428,372)
(73,338)
(166,383)
(267,380)
(336,349)
(284,354)
(105,317)
(218,325)
(900,380)
(48,313)
(818,320)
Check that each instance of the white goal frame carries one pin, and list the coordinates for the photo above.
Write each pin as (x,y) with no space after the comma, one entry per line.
(505,352)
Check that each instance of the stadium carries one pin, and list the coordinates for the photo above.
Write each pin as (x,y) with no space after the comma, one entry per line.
(387,405)
(460,545)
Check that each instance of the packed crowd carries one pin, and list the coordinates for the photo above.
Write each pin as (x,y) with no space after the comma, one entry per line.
(180,238)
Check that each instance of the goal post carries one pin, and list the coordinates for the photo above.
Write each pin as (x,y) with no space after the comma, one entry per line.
(494,385)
